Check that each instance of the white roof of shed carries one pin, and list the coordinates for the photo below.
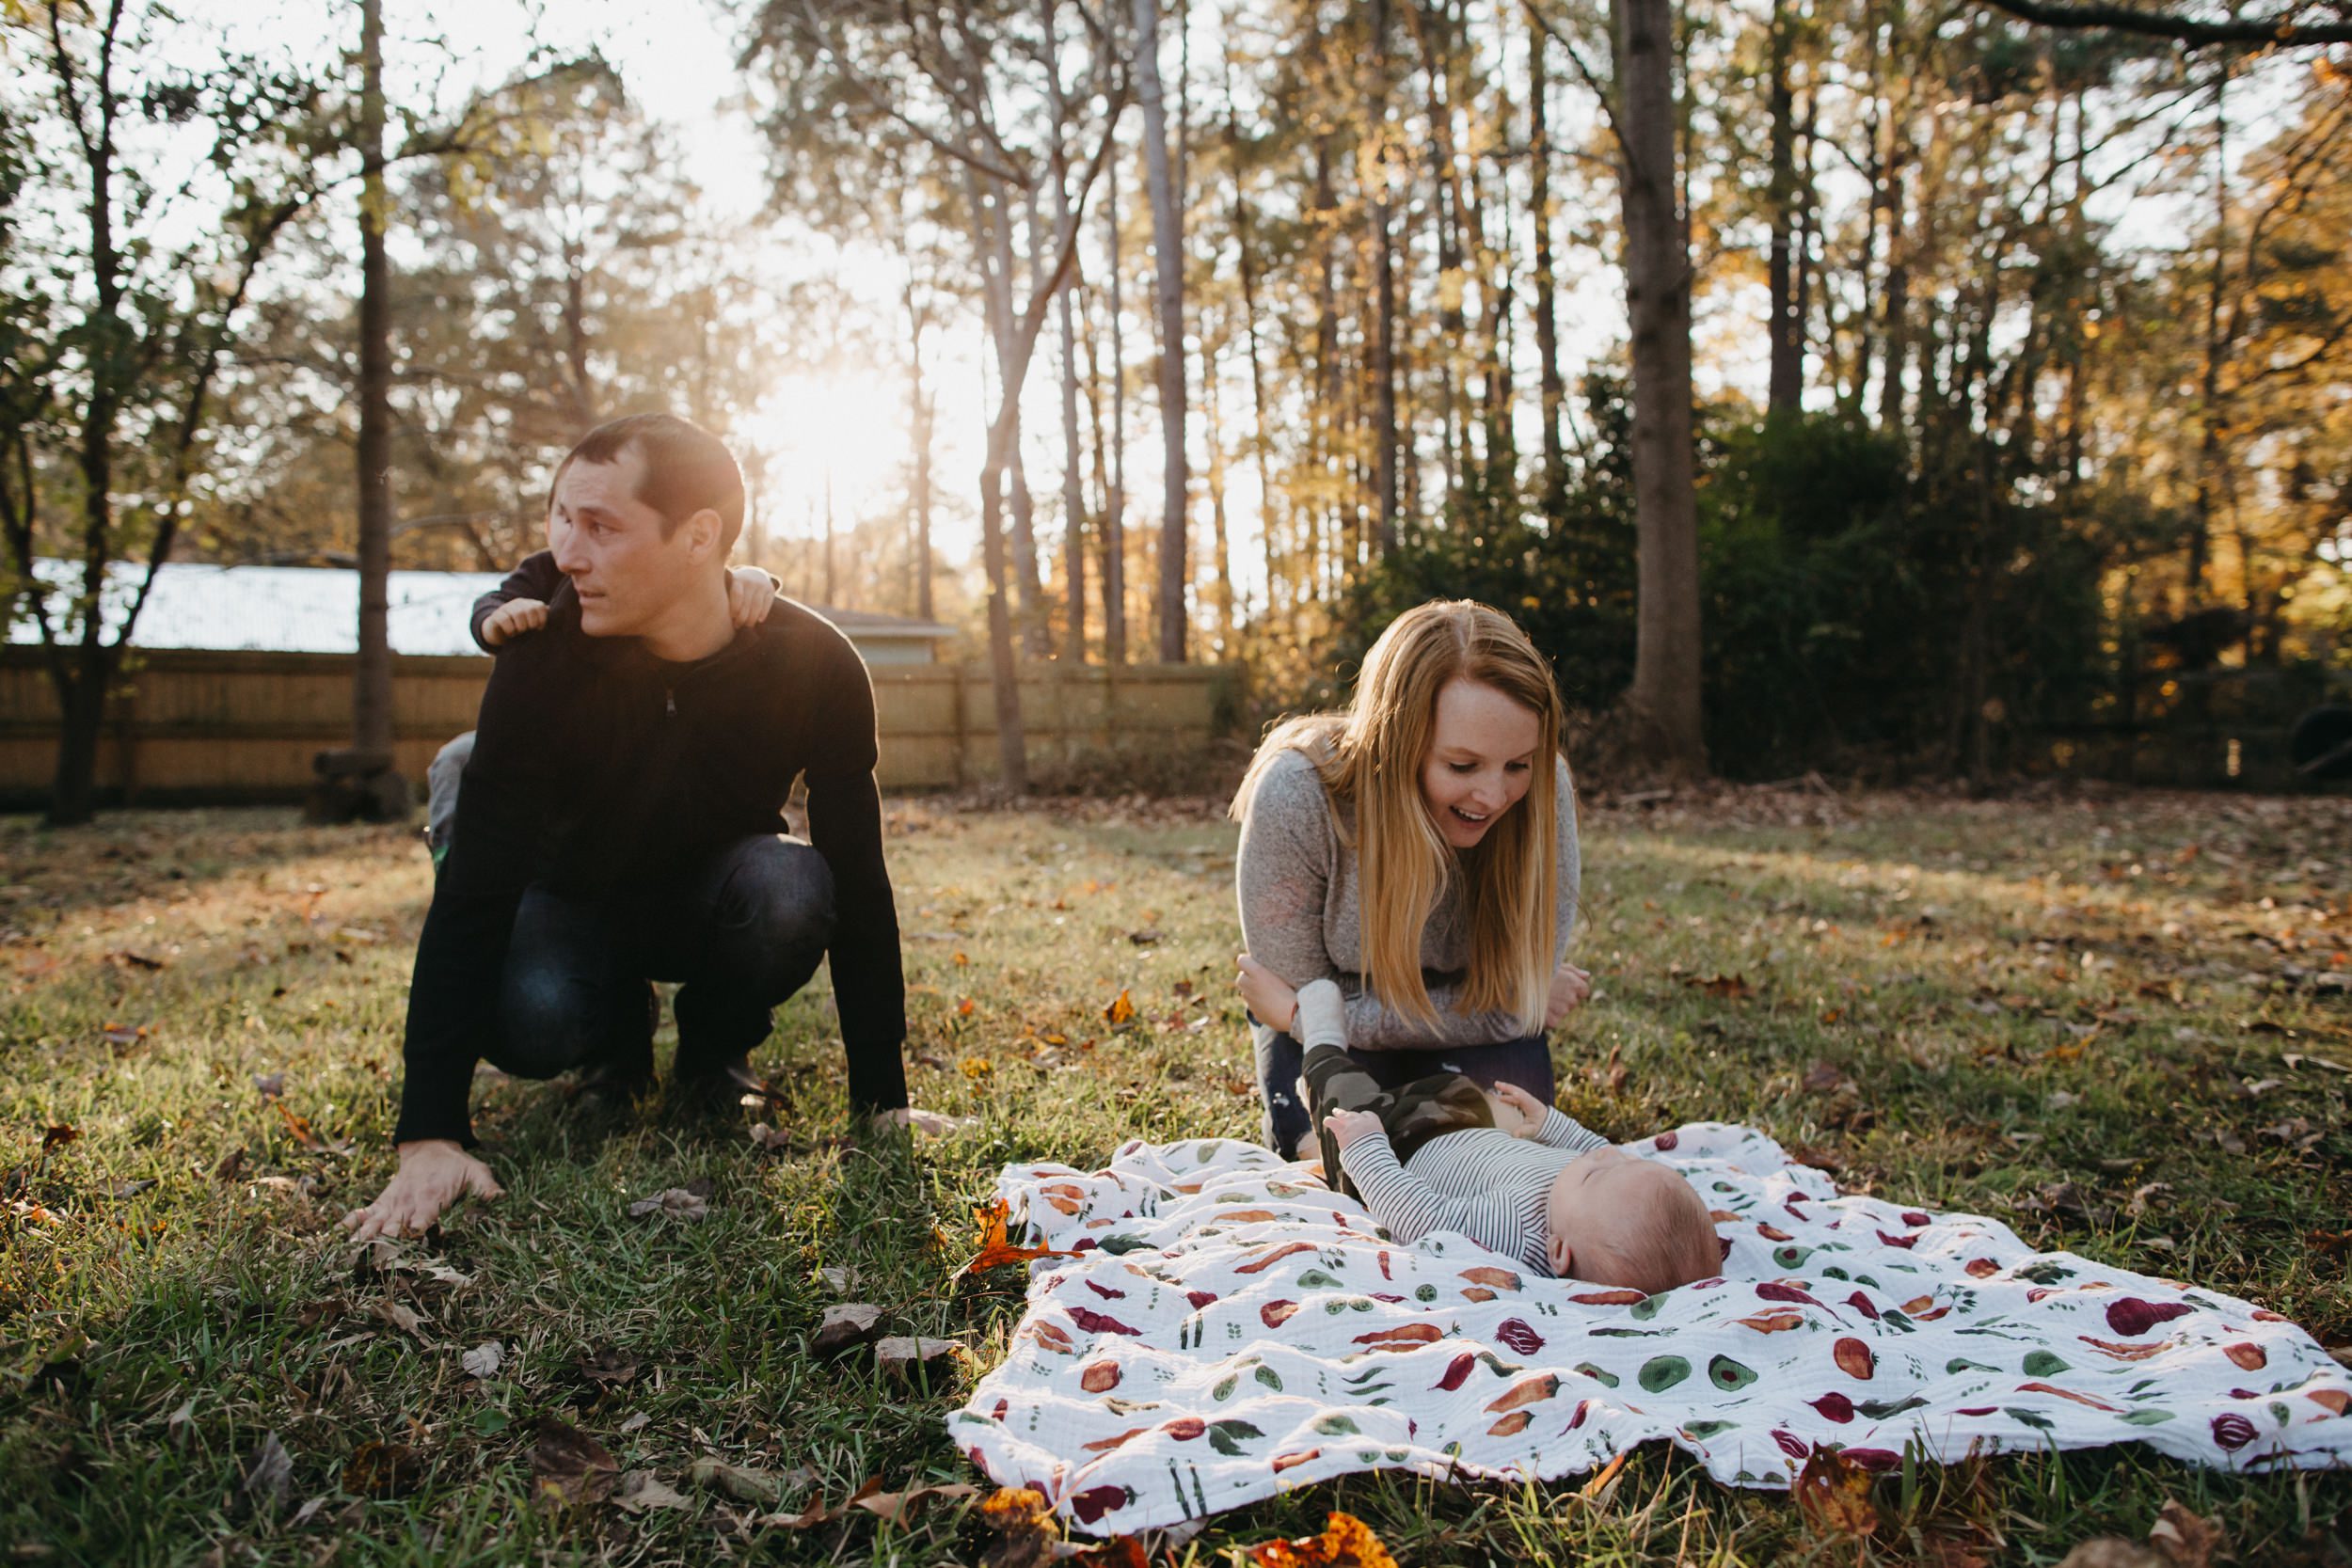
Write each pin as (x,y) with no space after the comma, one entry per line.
(316,609)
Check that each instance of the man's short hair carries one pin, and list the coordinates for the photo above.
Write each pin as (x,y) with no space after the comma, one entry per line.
(687,470)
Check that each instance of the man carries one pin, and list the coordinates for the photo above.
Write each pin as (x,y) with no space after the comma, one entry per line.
(621,821)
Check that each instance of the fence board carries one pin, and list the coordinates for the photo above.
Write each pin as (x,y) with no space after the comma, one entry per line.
(197,726)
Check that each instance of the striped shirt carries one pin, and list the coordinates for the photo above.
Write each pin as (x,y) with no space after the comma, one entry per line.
(1481,1181)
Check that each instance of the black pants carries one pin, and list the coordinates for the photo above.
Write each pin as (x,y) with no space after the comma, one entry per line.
(743,931)
(1526,1062)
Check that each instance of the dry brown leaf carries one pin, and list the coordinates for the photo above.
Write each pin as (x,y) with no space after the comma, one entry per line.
(571,1467)
(1347,1542)
(1121,1013)
(640,1490)
(677,1203)
(897,1507)
(383,1470)
(606,1368)
(845,1328)
(485,1359)
(745,1484)
(268,1476)
(904,1355)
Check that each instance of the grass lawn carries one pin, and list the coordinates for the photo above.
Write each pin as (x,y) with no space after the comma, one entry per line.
(2120,1024)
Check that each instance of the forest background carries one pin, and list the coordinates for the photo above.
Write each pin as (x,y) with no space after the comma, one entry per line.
(1860,384)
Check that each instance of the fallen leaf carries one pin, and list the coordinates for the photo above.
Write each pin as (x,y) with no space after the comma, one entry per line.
(836,1278)
(127,958)
(383,1470)
(485,1359)
(401,1316)
(181,1424)
(1824,1077)
(571,1466)
(56,1136)
(1146,937)
(1347,1542)
(270,1085)
(635,1424)
(1724,987)
(900,1355)
(1835,1496)
(2185,1539)
(639,1490)
(896,1507)
(745,1484)
(1120,1014)
(268,1476)
(996,1248)
(845,1328)
(607,1368)
(1023,1525)
(677,1203)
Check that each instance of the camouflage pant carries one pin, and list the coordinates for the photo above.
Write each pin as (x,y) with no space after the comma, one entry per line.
(1411,1113)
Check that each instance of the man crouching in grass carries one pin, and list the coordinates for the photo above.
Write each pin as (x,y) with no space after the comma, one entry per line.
(622,821)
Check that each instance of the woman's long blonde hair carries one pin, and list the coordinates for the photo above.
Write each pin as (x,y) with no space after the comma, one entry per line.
(1370,756)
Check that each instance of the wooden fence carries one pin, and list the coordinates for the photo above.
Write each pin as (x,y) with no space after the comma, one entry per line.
(190,727)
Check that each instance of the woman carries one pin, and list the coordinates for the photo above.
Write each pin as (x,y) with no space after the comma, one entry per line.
(1419,849)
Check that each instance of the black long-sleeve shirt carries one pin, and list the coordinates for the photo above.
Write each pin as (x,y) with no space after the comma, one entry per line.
(599,770)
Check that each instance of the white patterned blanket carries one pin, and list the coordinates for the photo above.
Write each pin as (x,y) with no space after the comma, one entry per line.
(1230,1329)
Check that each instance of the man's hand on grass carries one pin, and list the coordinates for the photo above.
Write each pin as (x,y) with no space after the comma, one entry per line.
(1272,1000)
(434,1174)
(512,619)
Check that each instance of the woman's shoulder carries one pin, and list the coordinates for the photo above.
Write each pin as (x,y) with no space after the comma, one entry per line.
(1287,784)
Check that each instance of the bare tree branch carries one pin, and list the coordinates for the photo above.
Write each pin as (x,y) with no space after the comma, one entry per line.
(2281,31)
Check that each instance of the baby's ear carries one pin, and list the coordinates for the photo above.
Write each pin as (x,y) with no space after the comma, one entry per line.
(1561,1255)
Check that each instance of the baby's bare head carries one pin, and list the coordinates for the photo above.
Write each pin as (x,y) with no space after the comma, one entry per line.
(1616,1219)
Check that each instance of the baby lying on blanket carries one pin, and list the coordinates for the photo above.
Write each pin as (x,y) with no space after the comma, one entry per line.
(1509,1172)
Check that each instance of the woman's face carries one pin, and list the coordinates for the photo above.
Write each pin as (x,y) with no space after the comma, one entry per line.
(1481,755)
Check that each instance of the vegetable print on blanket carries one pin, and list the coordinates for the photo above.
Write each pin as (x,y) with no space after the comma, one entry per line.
(1230,1328)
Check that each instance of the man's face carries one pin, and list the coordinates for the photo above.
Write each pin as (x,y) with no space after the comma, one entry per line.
(610,544)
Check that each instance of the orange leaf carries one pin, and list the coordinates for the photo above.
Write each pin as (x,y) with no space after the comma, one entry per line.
(996,1248)
(1347,1542)
(1835,1496)
(1121,1012)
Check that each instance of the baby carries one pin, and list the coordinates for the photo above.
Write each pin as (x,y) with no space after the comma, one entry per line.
(1509,1172)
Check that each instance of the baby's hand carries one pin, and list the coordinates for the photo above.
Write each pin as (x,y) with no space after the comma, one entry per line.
(1347,1125)
(512,619)
(1271,1000)
(1528,1111)
(751,595)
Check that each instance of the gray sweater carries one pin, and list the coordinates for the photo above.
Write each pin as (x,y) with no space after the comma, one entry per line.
(1301,913)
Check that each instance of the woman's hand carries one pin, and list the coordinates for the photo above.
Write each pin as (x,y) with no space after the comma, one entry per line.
(1570,987)
(1348,1126)
(1272,1000)
(434,1173)
(1524,1106)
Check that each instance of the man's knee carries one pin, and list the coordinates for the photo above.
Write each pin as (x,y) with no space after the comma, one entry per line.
(549,1021)
(778,903)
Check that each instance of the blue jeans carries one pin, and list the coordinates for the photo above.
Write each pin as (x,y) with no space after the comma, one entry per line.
(1526,1062)
(741,932)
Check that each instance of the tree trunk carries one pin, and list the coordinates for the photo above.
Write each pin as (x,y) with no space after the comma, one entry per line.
(1664,704)
(920,430)
(1221,564)
(1032,586)
(1273,512)
(1554,389)
(1115,507)
(371,680)
(1013,742)
(1383,287)
(80,723)
(1785,327)
(1167,253)
(1074,504)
